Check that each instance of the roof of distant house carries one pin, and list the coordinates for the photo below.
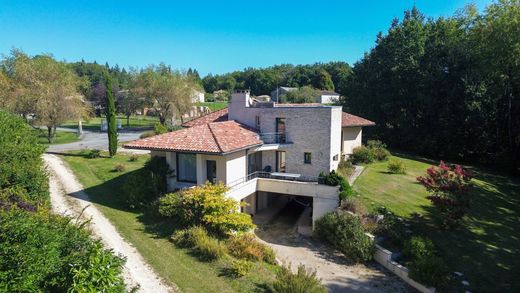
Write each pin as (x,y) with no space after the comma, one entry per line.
(215,138)
(330,93)
(217,116)
(298,105)
(349,120)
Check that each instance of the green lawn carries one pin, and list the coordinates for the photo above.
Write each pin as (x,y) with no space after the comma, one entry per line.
(150,236)
(487,246)
(214,106)
(94,123)
(61,137)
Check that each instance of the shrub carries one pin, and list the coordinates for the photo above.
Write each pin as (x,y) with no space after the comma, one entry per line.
(449,186)
(207,247)
(379,151)
(146,134)
(144,185)
(206,205)
(362,155)
(391,227)
(304,281)
(246,246)
(94,154)
(345,233)
(424,266)
(119,168)
(159,128)
(345,189)
(158,170)
(21,164)
(240,267)
(345,168)
(396,167)
(331,179)
(354,205)
(133,157)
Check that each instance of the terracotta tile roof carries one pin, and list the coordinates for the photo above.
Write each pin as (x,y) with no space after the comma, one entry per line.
(216,137)
(217,116)
(349,120)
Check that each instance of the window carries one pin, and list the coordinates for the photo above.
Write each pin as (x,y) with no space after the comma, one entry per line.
(211,171)
(307,158)
(280,162)
(280,130)
(257,122)
(186,167)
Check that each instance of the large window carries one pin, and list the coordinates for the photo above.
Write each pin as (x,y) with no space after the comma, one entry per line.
(186,167)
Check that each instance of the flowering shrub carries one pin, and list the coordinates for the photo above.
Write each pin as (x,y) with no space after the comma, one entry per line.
(449,186)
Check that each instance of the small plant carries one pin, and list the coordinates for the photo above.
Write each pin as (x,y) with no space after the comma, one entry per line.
(304,281)
(240,267)
(209,248)
(346,168)
(396,167)
(119,168)
(133,157)
(345,233)
(362,155)
(159,128)
(93,154)
(424,265)
(246,246)
(391,227)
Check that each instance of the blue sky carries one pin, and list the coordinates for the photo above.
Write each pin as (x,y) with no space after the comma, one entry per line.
(211,36)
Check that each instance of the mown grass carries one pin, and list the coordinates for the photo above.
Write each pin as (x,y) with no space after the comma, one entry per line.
(60,137)
(486,248)
(150,236)
(213,106)
(94,124)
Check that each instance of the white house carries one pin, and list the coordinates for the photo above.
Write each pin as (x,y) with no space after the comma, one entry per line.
(198,96)
(263,151)
(328,97)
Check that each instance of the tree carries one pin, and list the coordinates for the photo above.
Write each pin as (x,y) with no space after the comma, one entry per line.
(321,79)
(301,95)
(45,89)
(111,119)
(170,92)
(129,103)
(5,95)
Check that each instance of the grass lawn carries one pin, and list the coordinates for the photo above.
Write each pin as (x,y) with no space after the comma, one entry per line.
(487,246)
(61,137)
(213,106)
(150,237)
(94,123)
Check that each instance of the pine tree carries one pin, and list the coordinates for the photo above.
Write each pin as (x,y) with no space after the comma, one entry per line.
(111,118)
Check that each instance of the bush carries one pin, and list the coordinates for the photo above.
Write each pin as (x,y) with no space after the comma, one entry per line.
(391,227)
(159,128)
(119,168)
(42,252)
(345,233)
(345,168)
(354,205)
(158,170)
(304,281)
(94,154)
(396,167)
(148,133)
(362,155)
(206,205)
(333,179)
(207,247)
(240,267)
(379,151)
(133,157)
(246,246)
(424,266)
(144,185)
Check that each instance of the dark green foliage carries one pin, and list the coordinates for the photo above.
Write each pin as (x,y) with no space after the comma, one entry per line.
(39,251)
(446,87)
(304,281)
(334,179)
(93,154)
(111,118)
(21,166)
(143,186)
(345,233)
(425,267)
(304,94)
(374,151)
(391,227)
(159,128)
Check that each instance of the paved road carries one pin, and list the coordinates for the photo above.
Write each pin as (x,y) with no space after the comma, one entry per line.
(92,140)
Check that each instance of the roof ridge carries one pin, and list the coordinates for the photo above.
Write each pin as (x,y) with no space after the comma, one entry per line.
(214,137)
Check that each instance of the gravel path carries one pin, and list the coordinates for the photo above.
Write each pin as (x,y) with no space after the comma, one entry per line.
(68,198)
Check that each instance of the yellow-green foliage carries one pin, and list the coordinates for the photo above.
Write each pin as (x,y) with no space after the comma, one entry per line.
(206,205)
(246,246)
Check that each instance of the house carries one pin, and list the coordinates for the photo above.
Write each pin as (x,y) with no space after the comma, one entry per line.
(197,96)
(328,97)
(265,152)
(280,91)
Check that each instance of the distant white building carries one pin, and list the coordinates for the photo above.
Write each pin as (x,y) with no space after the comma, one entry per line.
(198,96)
(328,97)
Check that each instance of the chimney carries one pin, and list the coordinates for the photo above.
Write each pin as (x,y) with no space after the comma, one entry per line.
(241,97)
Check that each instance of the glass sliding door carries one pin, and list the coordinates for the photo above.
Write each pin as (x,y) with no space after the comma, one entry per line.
(280,130)
(186,167)
(211,171)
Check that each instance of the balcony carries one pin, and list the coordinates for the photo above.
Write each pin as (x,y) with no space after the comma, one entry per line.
(275,138)
(275,175)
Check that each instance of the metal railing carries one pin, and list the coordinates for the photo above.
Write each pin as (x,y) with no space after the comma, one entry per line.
(274,137)
(270,175)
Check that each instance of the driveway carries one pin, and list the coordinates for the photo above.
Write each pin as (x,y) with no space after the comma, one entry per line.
(94,140)
(337,273)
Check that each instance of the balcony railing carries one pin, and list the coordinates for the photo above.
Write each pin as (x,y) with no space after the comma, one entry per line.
(274,137)
(271,175)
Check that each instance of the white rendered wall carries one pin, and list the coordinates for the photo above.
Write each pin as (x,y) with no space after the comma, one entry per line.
(335,137)
(236,166)
(351,139)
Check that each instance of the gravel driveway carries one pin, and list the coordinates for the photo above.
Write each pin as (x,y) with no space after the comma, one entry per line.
(68,198)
